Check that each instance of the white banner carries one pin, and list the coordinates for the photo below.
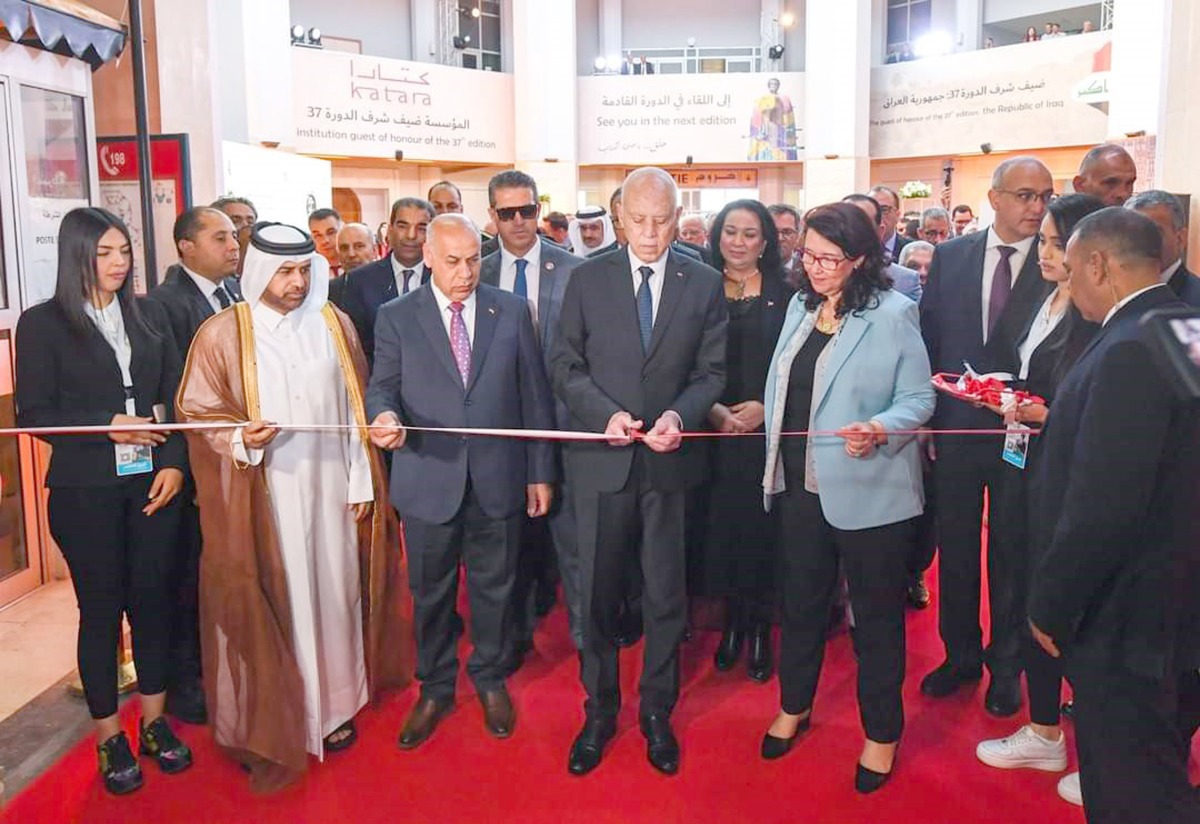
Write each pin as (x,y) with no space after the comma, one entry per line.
(283,186)
(350,104)
(1016,97)
(715,118)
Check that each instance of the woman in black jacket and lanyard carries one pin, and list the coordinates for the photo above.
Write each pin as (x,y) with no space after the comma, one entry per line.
(1054,339)
(87,357)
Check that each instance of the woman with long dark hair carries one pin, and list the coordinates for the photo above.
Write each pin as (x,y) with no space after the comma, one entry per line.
(88,357)
(1053,340)
(741,543)
(849,360)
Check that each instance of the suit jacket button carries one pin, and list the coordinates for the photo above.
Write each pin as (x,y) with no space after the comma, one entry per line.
(467,402)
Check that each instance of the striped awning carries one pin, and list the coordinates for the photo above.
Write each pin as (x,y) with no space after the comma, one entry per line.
(64,27)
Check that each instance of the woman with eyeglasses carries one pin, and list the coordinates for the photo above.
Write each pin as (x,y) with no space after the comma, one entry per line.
(1053,339)
(741,542)
(851,368)
(89,357)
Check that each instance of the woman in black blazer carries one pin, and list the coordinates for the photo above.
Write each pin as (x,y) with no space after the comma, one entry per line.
(1053,339)
(88,357)
(741,541)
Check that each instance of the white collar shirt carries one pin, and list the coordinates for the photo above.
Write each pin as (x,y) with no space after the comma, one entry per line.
(656,280)
(444,311)
(1127,299)
(1170,271)
(991,258)
(208,288)
(414,281)
(508,273)
(111,324)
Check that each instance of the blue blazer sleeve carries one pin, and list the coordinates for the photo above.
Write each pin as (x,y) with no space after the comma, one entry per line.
(913,397)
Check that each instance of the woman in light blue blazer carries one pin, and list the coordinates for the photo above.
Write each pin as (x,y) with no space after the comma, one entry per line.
(849,361)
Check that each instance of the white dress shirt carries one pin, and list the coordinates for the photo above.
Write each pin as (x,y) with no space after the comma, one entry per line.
(1117,306)
(208,289)
(508,274)
(991,258)
(656,280)
(414,283)
(1170,271)
(1043,324)
(468,312)
(111,324)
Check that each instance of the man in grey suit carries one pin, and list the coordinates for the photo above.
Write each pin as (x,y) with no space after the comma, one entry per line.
(904,280)
(537,270)
(457,354)
(639,356)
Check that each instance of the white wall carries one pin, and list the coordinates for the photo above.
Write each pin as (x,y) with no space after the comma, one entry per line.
(995,11)
(383,26)
(587,34)
(669,23)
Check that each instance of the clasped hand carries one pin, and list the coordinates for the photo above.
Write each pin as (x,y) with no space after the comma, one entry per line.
(861,438)
(135,438)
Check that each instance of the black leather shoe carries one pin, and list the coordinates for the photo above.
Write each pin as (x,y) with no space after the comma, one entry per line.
(775,747)
(918,593)
(730,648)
(868,781)
(588,748)
(662,750)
(185,703)
(118,767)
(760,663)
(1003,696)
(422,721)
(160,743)
(946,679)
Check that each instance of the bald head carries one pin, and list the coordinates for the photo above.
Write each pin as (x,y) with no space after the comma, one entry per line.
(649,212)
(1111,254)
(1107,172)
(452,254)
(355,246)
(1021,188)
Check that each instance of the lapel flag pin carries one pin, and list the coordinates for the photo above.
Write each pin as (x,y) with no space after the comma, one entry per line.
(491,310)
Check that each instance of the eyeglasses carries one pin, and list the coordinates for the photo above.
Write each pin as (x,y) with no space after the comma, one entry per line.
(507,213)
(826,262)
(1027,196)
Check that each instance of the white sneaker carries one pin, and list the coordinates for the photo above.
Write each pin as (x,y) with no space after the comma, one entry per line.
(1068,789)
(1024,749)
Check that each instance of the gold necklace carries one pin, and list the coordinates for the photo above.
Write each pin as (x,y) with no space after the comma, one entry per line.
(740,285)
(827,327)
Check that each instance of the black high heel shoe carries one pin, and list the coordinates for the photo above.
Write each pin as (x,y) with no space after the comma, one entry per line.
(867,781)
(760,663)
(775,747)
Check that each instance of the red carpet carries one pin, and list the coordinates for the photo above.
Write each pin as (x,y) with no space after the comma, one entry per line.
(461,774)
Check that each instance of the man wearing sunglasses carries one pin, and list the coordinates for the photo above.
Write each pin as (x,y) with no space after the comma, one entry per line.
(535,269)
(980,295)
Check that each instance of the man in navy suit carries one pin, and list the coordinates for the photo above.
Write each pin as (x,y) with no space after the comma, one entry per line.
(1169,216)
(904,280)
(537,270)
(981,291)
(455,353)
(1113,530)
(369,287)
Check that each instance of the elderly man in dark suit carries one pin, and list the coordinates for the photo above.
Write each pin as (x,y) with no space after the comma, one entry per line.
(640,356)
(370,286)
(979,295)
(1113,527)
(1169,216)
(455,353)
(538,271)
(203,283)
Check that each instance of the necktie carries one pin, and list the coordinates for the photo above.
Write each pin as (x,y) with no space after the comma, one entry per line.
(520,288)
(408,273)
(222,297)
(460,342)
(645,306)
(1001,286)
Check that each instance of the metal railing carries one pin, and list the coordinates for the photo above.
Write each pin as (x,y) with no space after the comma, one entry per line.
(697,60)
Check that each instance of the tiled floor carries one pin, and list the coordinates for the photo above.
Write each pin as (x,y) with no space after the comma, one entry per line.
(37,644)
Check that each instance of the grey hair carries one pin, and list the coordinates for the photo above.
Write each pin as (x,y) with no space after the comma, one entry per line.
(1013,162)
(655,174)
(442,222)
(362,227)
(934,213)
(1157,197)
(910,248)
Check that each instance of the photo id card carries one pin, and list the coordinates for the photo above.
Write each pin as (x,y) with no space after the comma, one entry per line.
(1016,445)
(134,459)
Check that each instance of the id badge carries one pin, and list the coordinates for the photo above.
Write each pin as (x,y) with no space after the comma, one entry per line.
(134,459)
(1016,445)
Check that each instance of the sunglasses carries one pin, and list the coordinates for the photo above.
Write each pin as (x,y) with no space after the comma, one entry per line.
(507,213)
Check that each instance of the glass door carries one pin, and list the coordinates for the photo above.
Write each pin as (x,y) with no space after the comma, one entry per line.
(20,555)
